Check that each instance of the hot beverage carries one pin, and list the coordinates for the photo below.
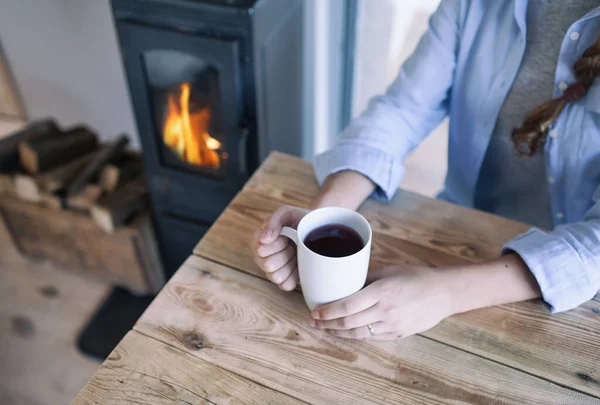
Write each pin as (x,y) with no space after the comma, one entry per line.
(333,260)
(334,241)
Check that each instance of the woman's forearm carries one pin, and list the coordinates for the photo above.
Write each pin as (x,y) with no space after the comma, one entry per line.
(347,189)
(501,281)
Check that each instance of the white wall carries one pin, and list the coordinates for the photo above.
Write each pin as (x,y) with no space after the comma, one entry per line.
(323,79)
(65,58)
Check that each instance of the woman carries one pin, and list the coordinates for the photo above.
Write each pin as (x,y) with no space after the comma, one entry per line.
(491,66)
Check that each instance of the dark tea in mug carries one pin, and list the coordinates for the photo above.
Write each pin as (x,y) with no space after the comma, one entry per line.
(334,241)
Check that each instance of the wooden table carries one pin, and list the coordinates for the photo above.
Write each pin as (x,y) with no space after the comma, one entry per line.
(218,333)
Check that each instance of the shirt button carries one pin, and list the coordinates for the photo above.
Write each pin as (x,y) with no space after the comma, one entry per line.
(563,86)
(552,133)
(551,180)
(560,215)
(574,36)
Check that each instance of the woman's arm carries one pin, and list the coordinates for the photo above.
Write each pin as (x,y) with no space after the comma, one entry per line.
(346,189)
(501,281)
(403,300)
(377,142)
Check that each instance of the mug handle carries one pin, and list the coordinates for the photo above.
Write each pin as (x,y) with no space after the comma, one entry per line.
(290,233)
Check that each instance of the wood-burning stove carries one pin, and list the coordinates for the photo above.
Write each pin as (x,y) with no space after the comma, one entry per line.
(196,70)
(215,85)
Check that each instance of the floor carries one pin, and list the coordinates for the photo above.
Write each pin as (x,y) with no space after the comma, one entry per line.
(42,309)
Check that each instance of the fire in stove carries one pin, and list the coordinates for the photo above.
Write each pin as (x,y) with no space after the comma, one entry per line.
(186,132)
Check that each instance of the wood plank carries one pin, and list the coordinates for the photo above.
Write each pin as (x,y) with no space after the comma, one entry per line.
(26,188)
(564,348)
(463,232)
(42,153)
(50,200)
(9,146)
(248,326)
(74,241)
(114,209)
(114,176)
(228,239)
(95,166)
(84,201)
(7,184)
(60,177)
(143,370)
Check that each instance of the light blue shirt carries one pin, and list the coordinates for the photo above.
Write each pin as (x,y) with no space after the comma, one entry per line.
(464,67)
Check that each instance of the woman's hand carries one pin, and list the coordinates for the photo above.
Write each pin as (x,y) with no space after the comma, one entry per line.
(401,301)
(275,254)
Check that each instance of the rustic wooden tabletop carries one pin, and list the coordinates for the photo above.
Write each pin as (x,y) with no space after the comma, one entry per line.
(217,334)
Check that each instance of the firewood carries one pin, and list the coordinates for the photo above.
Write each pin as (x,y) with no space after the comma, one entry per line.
(9,146)
(114,209)
(92,169)
(60,177)
(7,185)
(115,175)
(46,152)
(26,188)
(50,200)
(84,201)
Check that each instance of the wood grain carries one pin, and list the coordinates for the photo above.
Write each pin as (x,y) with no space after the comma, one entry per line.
(142,370)
(228,241)
(248,326)
(111,152)
(50,200)
(114,209)
(84,201)
(60,177)
(9,145)
(26,188)
(564,348)
(114,176)
(74,241)
(449,228)
(7,184)
(47,152)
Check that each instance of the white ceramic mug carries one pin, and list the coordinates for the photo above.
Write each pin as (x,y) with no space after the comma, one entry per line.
(326,279)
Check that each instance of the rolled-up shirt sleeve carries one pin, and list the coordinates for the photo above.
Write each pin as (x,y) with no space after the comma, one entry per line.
(566,261)
(376,143)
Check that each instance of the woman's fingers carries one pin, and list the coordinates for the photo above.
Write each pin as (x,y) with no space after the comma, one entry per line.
(284,216)
(291,282)
(353,304)
(370,315)
(381,331)
(282,274)
(277,246)
(278,260)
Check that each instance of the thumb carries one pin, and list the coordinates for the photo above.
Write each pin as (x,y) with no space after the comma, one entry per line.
(284,216)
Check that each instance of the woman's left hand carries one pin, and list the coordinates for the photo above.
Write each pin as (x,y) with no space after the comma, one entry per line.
(400,301)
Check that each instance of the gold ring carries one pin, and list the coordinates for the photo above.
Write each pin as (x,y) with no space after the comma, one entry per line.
(371,330)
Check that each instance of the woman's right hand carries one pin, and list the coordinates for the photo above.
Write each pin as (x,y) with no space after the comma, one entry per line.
(275,254)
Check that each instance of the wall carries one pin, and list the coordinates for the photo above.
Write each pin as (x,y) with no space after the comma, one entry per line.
(324,52)
(65,59)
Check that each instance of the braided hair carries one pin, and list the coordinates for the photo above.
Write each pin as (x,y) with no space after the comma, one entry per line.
(533,132)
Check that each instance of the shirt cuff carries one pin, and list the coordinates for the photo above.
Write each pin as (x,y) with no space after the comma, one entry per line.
(379,167)
(557,267)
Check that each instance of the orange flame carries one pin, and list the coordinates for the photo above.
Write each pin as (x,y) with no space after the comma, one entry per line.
(186,133)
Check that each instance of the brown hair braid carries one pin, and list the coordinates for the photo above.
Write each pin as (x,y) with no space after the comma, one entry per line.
(533,132)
